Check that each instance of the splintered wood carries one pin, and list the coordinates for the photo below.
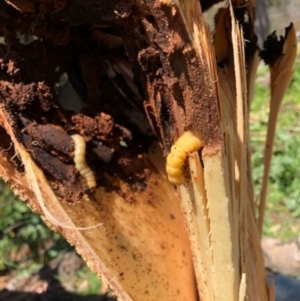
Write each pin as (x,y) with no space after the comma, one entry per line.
(150,74)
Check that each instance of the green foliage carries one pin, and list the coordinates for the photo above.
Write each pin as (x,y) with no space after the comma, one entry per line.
(283,207)
(20,226)
(92,280)
(83,281)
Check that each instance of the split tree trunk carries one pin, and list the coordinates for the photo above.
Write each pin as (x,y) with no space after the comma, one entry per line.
(145,71)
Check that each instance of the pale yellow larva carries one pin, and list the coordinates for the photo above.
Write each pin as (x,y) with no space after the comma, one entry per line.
(80,163)
(187,143)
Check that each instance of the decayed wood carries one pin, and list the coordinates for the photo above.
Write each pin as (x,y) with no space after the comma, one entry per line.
(137,248)
(138,64)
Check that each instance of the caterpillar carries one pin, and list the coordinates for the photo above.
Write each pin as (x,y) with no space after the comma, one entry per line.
(80,163)
(187,143)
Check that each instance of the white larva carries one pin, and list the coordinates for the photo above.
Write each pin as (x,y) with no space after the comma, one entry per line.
(187,143)
(80,163)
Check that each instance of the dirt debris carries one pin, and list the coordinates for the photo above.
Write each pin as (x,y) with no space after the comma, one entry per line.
(121,58)
(28,75)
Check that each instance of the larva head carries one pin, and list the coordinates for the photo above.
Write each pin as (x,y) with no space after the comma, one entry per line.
(189,142)
(79,145)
